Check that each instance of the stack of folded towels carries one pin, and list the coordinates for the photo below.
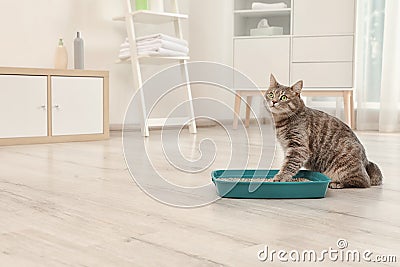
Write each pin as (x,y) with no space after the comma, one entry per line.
(264,6)
(156,45)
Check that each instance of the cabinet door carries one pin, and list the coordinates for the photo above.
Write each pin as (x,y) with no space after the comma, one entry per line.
(77,105)
(259,57)
(23,103)
(314,17)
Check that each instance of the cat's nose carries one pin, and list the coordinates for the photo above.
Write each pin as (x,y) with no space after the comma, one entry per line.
(274,102)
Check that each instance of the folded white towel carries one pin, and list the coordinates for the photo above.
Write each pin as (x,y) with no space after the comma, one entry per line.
(264,6)
(124,54)
(162,37)
(156,44)
(125,50)
(124,45)
(162,52)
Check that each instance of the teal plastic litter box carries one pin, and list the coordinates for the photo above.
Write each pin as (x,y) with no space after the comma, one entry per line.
(243,187)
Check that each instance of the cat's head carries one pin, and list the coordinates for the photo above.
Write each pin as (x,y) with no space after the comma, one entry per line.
(280,99)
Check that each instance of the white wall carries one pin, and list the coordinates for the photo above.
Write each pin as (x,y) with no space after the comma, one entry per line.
(210,36)
(30,30)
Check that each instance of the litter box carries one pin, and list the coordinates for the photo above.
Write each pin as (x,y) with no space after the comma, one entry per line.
(238,184)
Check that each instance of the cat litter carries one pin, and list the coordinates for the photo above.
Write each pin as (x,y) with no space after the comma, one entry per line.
(258,184)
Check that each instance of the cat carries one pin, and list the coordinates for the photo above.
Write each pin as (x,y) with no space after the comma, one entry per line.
(317,141)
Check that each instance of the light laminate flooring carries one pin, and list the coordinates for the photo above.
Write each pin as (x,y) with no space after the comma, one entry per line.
(75,204)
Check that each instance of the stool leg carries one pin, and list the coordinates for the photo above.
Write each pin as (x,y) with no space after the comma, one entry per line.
(352,115)
(248,108)
(236,110)
(347,107)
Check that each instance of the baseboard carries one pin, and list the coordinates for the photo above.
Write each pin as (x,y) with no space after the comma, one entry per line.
(200,123)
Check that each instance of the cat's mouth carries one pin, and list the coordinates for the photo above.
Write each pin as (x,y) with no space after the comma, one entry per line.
(272,106)
(275,109)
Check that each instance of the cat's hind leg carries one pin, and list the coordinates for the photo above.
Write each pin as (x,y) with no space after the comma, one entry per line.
(352,177)
(359,180)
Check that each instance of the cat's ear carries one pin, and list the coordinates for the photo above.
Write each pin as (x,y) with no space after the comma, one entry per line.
(272,81)
(297,87)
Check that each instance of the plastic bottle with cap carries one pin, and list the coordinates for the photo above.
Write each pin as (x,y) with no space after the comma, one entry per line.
(61,58)
(78,52)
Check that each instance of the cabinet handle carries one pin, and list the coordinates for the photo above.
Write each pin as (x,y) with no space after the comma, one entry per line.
(56,106)
(43,107)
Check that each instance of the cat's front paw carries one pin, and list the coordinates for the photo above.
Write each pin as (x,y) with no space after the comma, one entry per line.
(280,177)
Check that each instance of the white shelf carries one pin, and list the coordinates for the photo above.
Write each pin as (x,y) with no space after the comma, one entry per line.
(250,13)
(262,36)
(147,16)
(150,58)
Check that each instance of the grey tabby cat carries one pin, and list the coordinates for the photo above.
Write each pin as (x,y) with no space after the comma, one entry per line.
(317,141)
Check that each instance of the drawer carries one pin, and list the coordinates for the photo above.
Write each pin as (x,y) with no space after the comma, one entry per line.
(315,17)
(326,49)
(338,74)
(257,58)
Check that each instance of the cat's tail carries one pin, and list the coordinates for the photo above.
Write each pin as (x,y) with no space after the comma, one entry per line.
(374,173)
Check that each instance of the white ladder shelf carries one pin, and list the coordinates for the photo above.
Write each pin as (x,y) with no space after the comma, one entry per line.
(152,17)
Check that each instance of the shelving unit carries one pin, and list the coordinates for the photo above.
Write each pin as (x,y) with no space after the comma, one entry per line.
(152,17)
(250,13)
(51,105)
(246,18)
(317,47)
(151,58)
(131,18)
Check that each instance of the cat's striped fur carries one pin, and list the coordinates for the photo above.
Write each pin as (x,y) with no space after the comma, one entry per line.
(317,141)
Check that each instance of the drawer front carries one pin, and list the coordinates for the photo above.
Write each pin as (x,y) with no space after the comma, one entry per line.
(313,17)
(258,58)
(326,49)
(339,74)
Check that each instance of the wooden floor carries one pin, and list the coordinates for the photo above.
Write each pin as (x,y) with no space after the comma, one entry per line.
(75,204)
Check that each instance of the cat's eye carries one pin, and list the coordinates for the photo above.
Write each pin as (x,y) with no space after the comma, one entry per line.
(284,98)
(270,95)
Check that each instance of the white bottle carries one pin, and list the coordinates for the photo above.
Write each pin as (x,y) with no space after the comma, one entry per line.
(78,52)
(61,58)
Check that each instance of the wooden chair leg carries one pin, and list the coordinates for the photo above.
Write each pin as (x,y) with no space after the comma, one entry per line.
(236,110)
(248,109)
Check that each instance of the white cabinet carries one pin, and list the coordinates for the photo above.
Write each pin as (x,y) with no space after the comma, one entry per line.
(323,61)
(49,105)
(257,58)
(317,46)
(323,43)
(23,104)
(77,105)
(323,17)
